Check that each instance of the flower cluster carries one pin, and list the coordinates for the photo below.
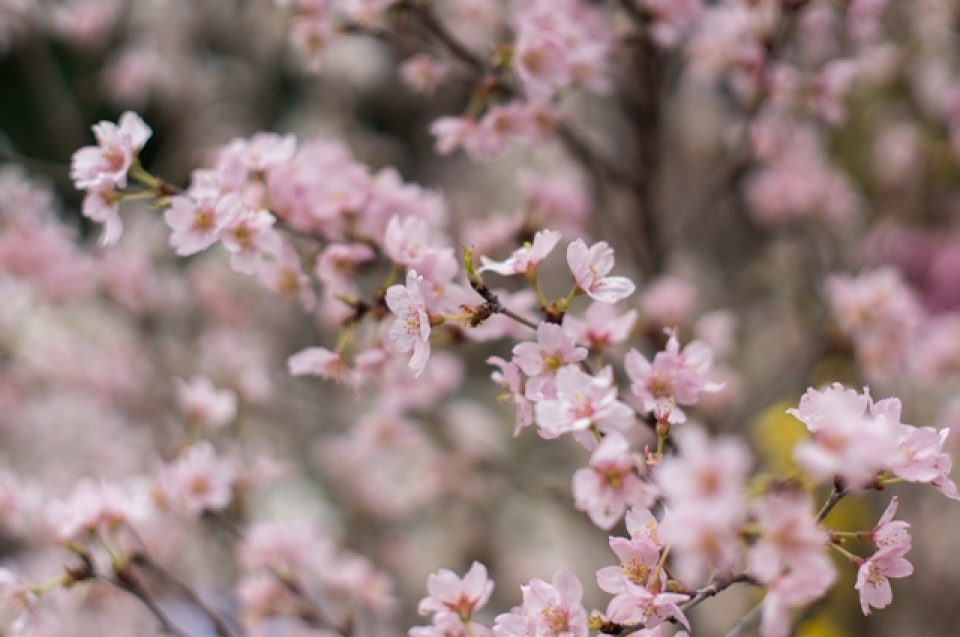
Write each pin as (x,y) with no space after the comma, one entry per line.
(156,455)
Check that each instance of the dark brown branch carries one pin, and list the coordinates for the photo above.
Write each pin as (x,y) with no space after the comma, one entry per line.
(127,581)
(142,559)
(428,20)
(831,502)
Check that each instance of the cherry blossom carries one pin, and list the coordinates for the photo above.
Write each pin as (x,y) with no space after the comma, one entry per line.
(509,377)
(109,161)
(285,276)
(322,362)
(286,549)
(423,73)
(582,401)
(890,532)
(101,169)
(450,594)
(853,437)
(922,458)
(198,480)
(95,506)
(610,484)
(872,576)
(248,235)
(640,604)
(411,330)
(205,405)
(600,327)
(541,361)
(639,554)
(673,378)
(525,259)
(704,489)
(555,610)
(794,589)
(790,538)
(15,600)
(590,267)
(196,223)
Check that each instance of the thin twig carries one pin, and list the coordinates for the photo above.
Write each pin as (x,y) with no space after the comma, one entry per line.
(126,581)
(586,154)
(831,502)
(446,39)
(495,306)
(313,612)
(747,622)
(219,624)
(713,589)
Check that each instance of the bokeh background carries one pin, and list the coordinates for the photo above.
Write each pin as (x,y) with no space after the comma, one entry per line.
(734,171)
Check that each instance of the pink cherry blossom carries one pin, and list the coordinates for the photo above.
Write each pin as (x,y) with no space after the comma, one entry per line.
(793,589)
(196,223)
(413,243)
(101,204)
(265,151)
(672,19)
(95,506)
(601,326)
(889,532)
(800,184)
(311,31)
(15,601)
(704,488)
(319,361)
(639,554)
(526,258)
(285,549)
(449,625)
(590,267)
(542,62)
(205,405)
(872,576)
(509,377)
(198,480)
(263,596)
(338,262)
(649,606)
(669,301)
(705,469)
(423,73)
(117,146)
(103,168)
(880,312)
(247,234)
(285,276)
(789,535)
(555,610)
(582,401)
(673,378)
(852,437)
(922,458)
(411,330)
(454,132)
(610,484)
(450,594)
(556,200)
(542,360)
(559,43)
